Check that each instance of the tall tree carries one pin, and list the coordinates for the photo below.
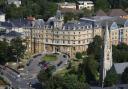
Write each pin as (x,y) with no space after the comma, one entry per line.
(102,4)
(17,47)
(3,51)
(90,68)
(94,48)
(111,78)
(124,76)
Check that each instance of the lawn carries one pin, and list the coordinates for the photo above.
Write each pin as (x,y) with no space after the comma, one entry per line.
(50,57)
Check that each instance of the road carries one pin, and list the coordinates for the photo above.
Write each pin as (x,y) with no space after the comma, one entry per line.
(29,74)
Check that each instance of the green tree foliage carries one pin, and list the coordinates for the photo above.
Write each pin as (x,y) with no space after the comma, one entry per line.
(90,68)
(88,13)
(63,82)
(68,17)
(124,76)
(120,53)
(3,51)
(17,47)
(94,48)
(70,80)
(36,8)
(79,55)
(2,2)
(9,50)
(14,12)
(118,3)
(102,4)
(111,78)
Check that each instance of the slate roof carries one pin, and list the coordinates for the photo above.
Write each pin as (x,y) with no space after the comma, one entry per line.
(39,23)
(117,12)
(72,25)
(15,23)
(20,22)
(13,34)
(126,23)
(114,26)
(6,24)
(119,67)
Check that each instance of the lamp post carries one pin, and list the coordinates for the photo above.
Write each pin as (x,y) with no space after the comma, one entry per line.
(17,59)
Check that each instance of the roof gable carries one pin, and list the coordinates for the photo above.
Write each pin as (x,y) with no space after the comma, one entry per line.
(120,67)
(117,12)
(100,13)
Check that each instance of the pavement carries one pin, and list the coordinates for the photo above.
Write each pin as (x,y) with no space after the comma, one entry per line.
(29,74)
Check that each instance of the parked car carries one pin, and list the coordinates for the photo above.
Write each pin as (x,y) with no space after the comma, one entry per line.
(59,63)
(64,56)
(42,63)
(29,62)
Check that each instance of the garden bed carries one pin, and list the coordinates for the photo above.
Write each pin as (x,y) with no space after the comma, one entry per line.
(50,57)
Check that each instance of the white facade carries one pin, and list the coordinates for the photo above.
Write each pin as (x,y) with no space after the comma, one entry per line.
(16,2)
(2,17)
(67,5)
(85,4)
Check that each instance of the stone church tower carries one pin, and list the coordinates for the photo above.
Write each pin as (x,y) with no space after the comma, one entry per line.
(106,62)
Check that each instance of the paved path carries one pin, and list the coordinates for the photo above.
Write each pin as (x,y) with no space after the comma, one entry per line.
(29,74)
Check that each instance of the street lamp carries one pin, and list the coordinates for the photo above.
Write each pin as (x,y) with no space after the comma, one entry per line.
(17,60)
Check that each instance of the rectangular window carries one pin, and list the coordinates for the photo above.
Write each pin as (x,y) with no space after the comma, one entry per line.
(78,42)
(68,42)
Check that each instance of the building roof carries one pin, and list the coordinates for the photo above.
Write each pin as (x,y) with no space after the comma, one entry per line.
(126,23)
(114,26)
(120,67)
(1,13)
(13,34)
(100,13)
(77,25)
(99,19)
(38,23)
(117,12)
(69,10)
(6,24)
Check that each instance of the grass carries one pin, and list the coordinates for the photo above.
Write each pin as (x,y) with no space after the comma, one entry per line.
(50,57)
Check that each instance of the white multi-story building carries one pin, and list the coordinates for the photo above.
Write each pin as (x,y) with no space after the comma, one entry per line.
(71,37)
(16,2)
(67,5)
(2,17)
(85,4)
(79,5)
